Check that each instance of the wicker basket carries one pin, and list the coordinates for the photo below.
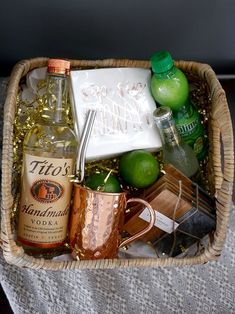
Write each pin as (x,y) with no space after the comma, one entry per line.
(221,162)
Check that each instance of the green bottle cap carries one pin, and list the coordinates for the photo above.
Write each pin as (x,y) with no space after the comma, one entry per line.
(161,62)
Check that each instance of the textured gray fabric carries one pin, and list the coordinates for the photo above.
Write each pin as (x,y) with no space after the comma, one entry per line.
(200,289)
(208,288)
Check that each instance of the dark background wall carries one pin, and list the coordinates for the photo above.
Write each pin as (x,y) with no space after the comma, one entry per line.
(92,29)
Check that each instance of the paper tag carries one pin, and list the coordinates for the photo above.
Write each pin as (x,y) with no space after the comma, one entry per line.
(162,222)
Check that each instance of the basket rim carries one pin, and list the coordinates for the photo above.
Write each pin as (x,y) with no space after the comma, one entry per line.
(222,129)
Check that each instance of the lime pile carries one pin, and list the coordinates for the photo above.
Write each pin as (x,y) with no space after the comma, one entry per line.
(103,182)
(139,168)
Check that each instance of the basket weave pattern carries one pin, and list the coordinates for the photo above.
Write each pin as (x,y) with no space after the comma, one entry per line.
(221,162)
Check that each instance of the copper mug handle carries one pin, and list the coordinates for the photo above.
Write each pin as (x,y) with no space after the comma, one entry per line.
(145,230)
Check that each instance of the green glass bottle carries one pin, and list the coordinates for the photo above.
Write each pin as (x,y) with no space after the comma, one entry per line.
(188,124)
(169,87)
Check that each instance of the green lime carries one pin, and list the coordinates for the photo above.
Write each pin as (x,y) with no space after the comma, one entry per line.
(98,182)
(139,168)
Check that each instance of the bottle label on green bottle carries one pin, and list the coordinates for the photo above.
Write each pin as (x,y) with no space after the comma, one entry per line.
(187,128)
(192,132)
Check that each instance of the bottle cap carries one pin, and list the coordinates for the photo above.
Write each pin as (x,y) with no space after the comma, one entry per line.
(162,113)
(58,66)
(161,62)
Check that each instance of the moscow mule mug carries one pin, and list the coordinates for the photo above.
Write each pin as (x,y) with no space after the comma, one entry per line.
(96,222)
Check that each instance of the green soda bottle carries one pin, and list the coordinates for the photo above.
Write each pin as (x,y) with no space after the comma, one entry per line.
(188,123)
(169,87)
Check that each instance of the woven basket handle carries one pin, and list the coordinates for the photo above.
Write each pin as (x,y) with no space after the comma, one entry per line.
(222,155)
(221,152)
(222,148)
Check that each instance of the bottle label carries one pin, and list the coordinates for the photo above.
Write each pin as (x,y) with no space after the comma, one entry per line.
(192,132)
(45,201)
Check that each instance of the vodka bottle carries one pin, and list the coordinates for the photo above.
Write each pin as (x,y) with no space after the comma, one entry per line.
(48,160)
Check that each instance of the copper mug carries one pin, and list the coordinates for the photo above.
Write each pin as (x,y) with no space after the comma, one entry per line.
(96,222)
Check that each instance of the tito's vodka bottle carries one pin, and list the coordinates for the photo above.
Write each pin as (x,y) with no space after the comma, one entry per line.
(175,150)
(49,155)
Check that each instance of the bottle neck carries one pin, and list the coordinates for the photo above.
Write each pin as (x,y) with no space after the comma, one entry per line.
(168,74)
(168,133)
(55,106)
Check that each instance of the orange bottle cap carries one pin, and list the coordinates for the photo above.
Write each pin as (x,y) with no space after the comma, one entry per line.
(58,66)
